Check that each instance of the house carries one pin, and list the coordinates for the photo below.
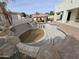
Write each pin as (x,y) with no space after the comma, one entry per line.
(40,17)
(51,17)
(68,12)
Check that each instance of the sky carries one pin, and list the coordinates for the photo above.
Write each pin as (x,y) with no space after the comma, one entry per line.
(32,6)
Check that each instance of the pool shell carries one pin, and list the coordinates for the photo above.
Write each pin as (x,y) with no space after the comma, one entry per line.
(32,35)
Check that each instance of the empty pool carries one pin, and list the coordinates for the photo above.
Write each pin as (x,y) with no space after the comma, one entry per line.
(32,35)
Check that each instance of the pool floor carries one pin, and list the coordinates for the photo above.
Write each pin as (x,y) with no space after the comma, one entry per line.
(32,35)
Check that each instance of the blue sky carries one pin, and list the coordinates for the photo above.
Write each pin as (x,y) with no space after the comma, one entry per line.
(32,6)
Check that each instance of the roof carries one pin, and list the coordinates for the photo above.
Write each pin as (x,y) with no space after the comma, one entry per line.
(16,13)
(39,15)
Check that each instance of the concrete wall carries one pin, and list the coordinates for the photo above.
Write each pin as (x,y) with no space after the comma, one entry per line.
(22,21)
(72,17)
(2,19)
(65,15)
(66,6)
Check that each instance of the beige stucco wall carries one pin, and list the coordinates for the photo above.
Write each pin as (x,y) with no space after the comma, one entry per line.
(73,14)
(67,5)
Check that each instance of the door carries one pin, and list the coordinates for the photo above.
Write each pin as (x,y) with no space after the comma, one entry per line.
(68,17)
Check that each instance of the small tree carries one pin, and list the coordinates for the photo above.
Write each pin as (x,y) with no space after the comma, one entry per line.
(51,13)
(23,14)
(37,13)
(47,13)
(30,16)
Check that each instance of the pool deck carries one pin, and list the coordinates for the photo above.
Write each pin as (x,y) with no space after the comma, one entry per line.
(69,29)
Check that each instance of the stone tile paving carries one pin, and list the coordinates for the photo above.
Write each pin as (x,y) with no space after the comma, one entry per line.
(69,49)
(69,29)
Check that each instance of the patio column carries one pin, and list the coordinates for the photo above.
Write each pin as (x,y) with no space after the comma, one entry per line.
(65,15)
(55,17)
(45,19)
